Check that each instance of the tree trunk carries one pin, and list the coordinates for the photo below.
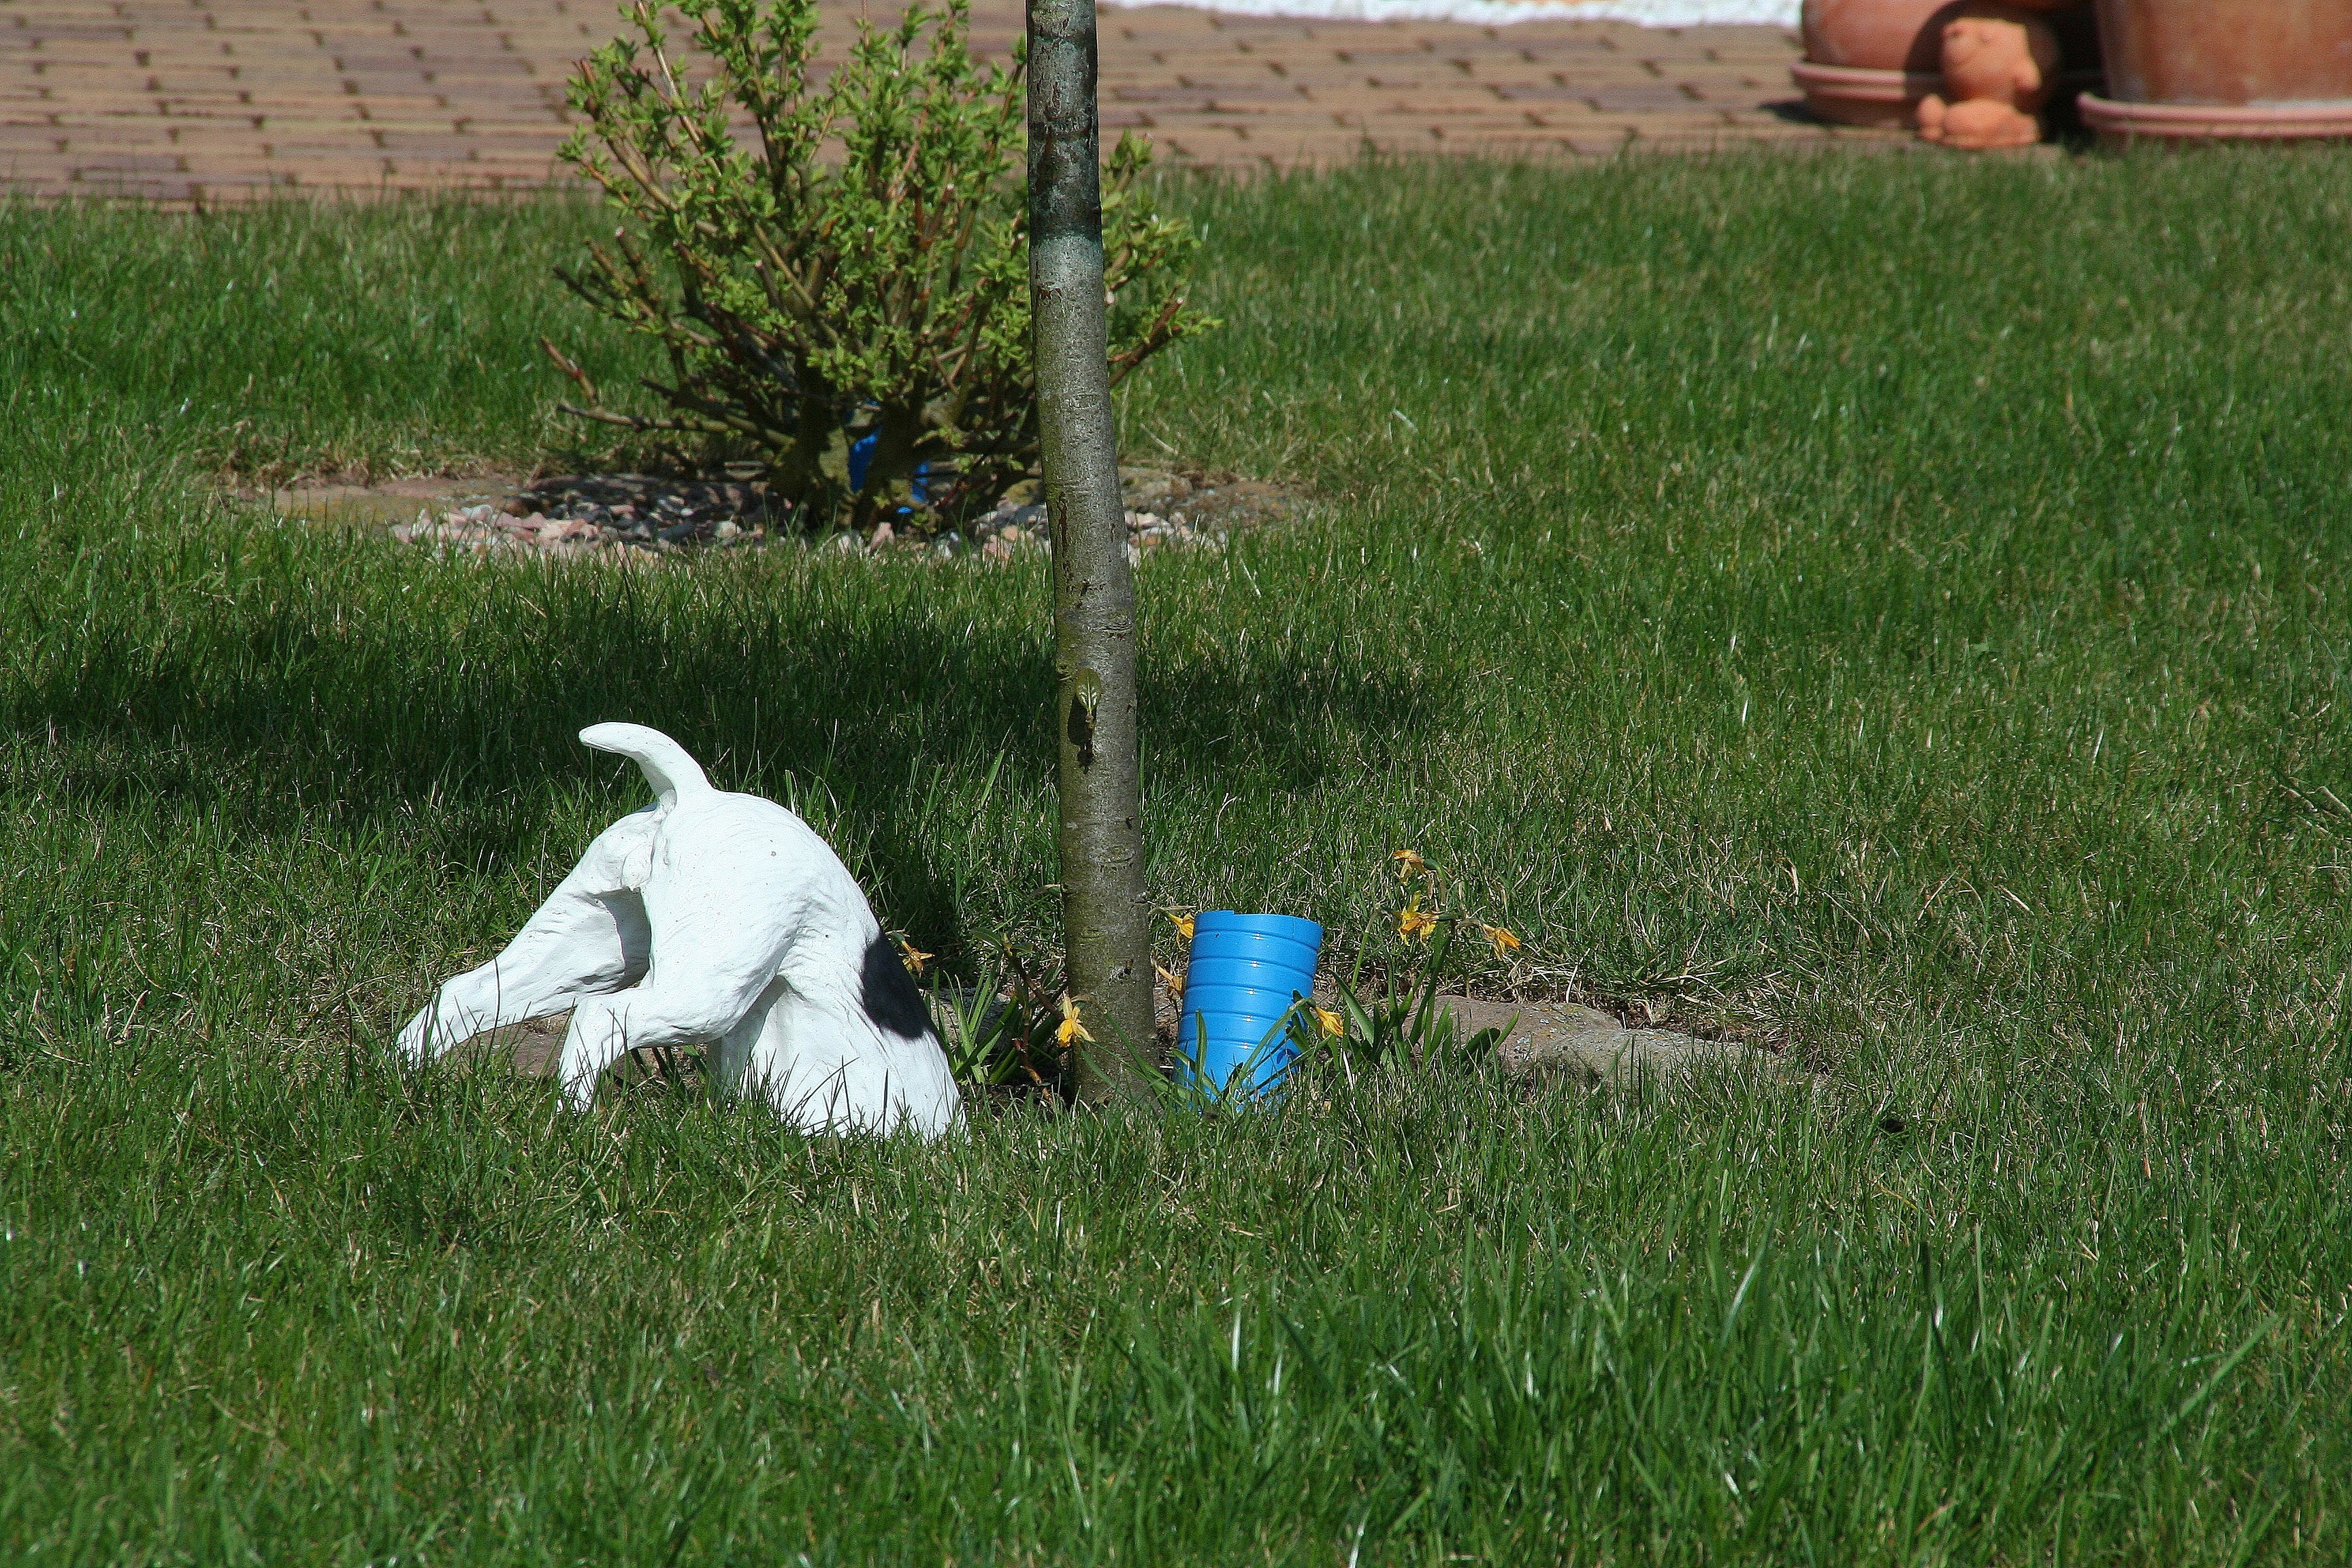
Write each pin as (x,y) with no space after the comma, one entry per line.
(1106,912)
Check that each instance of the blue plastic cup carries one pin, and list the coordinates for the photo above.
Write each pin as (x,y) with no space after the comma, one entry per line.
(861,458)
(1246,974)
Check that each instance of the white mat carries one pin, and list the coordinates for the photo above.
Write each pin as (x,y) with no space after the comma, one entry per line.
(1491,12)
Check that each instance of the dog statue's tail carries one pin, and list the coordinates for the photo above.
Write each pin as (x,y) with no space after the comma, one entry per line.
(674,775)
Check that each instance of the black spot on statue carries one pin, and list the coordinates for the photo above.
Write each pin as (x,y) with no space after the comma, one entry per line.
(889,993)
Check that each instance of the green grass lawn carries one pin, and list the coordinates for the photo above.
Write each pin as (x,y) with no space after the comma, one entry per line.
(1900,607)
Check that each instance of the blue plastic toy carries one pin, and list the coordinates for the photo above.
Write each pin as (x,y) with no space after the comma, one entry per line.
(1246,975)
(861,458)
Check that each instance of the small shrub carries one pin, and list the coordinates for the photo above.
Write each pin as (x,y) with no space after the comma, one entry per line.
(845,261)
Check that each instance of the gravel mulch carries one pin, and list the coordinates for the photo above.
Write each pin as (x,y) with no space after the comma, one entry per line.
(640,517)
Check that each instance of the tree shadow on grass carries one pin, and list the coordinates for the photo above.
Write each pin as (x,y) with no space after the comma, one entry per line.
(270,725)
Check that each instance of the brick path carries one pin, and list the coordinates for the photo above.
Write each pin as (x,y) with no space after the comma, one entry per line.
(185,100)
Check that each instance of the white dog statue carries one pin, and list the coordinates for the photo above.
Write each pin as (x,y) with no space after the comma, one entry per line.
(711,919)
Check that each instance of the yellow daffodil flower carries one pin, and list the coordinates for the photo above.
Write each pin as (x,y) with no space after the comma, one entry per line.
(1183,924)
(1413,923)
(1070,1028)
(1410,864)
(1330,1022)
(1504,943)
(1173,980)
(915,955)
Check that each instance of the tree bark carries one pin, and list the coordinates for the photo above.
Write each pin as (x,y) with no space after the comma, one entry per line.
(1106,911)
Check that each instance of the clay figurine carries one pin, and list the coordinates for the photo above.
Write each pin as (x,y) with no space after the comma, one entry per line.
(723,921)
(1998,59)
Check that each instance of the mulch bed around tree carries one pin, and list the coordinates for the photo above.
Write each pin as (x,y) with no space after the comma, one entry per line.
(642,518)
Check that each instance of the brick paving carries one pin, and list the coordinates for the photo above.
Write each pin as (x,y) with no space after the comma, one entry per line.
(182,100)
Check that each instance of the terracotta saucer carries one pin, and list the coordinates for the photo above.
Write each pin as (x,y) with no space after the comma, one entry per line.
(1855,95)
(2215,122)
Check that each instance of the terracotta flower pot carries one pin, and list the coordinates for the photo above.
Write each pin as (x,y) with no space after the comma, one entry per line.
(1869,62)
(1873,34)
(2224,69)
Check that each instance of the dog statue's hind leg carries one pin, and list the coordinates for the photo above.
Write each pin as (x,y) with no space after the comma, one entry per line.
(701,996)
(590,936)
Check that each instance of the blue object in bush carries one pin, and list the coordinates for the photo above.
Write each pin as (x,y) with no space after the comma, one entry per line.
(1245,973)
(861,458)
